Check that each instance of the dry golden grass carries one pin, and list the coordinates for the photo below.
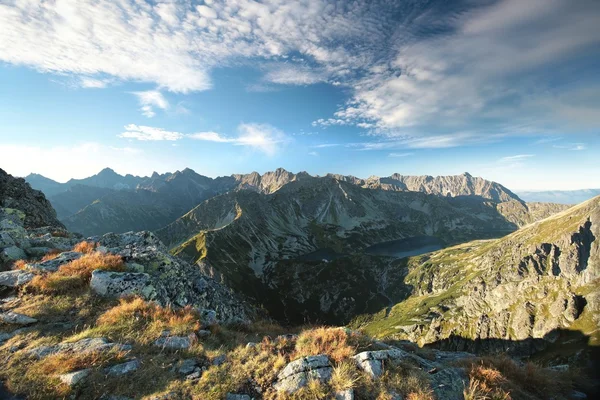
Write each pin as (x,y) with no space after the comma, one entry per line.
(19,264)
(51,255)
(337,343)
(345,376)
(76,274)
(85,247)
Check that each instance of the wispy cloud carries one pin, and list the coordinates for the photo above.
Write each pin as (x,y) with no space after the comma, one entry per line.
(93,83)
(262,137)
(150,99)
(313,153)
(148,133)
(571,146)
(517,157)
(325,145)
(400,154)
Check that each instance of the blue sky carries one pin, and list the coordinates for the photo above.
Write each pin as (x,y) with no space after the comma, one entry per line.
(508,89)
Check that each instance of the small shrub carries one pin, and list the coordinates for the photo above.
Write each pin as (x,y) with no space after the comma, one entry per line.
(337,343)
(75,274)
(85,247)
(19,264)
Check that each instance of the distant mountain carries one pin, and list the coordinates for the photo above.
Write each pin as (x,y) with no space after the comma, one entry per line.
(96,205)
(259,240)
(561,196)
(523,286)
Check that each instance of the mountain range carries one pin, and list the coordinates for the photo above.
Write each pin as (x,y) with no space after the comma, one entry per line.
(561,196)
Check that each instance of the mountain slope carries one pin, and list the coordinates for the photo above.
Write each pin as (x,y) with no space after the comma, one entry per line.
(258,243)
(540,278)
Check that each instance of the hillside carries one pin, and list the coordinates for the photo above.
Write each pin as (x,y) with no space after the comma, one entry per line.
(525,285)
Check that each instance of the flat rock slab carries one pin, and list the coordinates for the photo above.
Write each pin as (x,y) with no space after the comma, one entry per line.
(372,361)
(55,263)
(73,378)
(298,373)
(14,318)
(174,342)
(122,369)
(15,278)
(81,347)
(117,284)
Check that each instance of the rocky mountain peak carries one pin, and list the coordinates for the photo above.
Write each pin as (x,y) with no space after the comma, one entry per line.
(15,193)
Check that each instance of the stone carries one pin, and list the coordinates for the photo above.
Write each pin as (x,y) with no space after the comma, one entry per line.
(235,396)
(117,284)
(6,240)
(203,333)
(219,360)
(251,344)
(12,253)
(15,278)
(372,361)
(82,346)
(13,318)
(174,342)
(124,368)
(37,252)
(208,317)
(55,263)
(73,378)
(297,373)
(187,366)
(449,383)
(347,394)
(577,395)
(194,375)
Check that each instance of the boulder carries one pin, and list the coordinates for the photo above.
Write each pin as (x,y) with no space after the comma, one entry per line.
(124,368)
(82,346)
(73,378)
(174,342)
(187,366)
(449,383)
(372,361)
(55,263)
(208,317)
(12,253)
(235,396)
(297,373)
(15,278)
(14,318)
(6,240)
(117,284)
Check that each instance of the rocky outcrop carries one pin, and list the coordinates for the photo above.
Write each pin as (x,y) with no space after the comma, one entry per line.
(166,279)
(298,373)
(511,293)
(82,346)
(15,193)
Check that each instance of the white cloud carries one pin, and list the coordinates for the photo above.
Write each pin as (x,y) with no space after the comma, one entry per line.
(400,154)
(325,145)
(210,137)
(288,74)
(150,99)
(518,157)
(571,146)
(92,83)
(148,133)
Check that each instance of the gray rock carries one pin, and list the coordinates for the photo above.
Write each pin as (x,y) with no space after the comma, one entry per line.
(81,347)
(234,396)
(14,318)
(117,284)
(54,264)
(297,374)
(449,383)
(15,278)
(576,395)
(73,378)
(13,253)
(219,360)
(372,361)
(37,252)
(6,240)
(187,366)
(194,375)
(347,394)
(174,342)
(208,317)
(122,369)
(203,333)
